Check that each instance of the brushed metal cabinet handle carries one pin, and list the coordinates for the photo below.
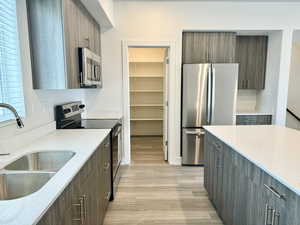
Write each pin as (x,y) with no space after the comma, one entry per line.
(273,217)
(85,206)
(266,214)
(107,165)
(217,145)
(274,191)
(277,218)
(81,208)
(268,210)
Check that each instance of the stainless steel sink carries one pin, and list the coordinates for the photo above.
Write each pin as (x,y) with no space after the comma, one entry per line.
(41,161)
(18,184)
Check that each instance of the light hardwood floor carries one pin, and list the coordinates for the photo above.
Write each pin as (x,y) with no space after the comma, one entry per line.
(151,192)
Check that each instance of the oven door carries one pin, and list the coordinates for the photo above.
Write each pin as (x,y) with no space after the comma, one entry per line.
(116,148)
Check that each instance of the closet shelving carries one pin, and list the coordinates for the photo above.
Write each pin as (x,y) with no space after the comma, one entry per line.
(146,91)
(146,76)
(146,105)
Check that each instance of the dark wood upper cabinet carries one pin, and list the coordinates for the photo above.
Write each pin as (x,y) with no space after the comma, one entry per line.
(208,47)
(251,54)
(57,28)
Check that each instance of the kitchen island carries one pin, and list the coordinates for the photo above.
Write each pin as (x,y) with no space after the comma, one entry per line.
(252,174)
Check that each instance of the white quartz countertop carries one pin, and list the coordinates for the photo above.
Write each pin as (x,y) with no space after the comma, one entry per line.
(28,210)
(274,149)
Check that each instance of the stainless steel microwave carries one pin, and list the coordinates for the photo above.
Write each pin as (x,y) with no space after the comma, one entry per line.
(90,69)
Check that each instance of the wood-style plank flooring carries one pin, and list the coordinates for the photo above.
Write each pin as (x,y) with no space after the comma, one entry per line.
(151,192)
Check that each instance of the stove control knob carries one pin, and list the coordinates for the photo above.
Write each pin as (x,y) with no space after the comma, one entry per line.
(66,111)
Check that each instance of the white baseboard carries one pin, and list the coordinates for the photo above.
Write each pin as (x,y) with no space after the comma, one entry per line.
(176,161)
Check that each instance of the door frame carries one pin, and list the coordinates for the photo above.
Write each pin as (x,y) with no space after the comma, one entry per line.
(126,44)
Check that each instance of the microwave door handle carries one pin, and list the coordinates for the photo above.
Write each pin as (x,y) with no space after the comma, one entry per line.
(95,73)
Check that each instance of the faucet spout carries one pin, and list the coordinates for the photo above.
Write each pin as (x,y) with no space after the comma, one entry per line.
(14,111)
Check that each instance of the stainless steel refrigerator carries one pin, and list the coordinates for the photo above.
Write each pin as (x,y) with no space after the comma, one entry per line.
(209,93)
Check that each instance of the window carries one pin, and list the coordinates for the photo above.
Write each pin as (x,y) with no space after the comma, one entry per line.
(11,88)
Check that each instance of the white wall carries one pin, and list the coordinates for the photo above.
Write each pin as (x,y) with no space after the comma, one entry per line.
(294,90)
(246,101)
(165,21)
(267,98)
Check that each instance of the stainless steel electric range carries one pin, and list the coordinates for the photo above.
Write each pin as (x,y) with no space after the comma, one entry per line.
(69,116)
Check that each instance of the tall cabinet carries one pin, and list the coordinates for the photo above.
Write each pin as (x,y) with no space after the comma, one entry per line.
(147,75)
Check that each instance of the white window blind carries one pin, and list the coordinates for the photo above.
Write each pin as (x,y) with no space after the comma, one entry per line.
(11,88)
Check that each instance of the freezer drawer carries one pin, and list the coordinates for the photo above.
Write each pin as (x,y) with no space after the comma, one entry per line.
(192,146)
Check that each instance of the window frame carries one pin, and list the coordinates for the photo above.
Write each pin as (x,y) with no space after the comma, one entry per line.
(25,62)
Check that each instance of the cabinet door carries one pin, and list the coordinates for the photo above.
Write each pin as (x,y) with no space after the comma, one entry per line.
(259,63)
(208,47)
(211,177)
(97,37)
(218,175)
(268,202)
(83,26)
(221,48)
(242,186)
(229,186)
(251,54)
(241,54)
(107,174)
(195,47)
(287,211)
(206,161)
(255,195)
(91,200)
(60,213)
(71,13)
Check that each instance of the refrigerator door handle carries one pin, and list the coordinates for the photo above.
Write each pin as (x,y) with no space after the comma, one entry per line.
(195,132)
(213,82)
(208,102)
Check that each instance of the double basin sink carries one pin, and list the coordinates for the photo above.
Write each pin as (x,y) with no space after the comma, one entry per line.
(31,172)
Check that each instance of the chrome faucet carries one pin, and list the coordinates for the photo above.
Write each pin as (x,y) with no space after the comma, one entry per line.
(14,111)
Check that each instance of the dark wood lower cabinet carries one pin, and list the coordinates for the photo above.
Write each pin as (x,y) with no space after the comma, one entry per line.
(85,200)
(244,194)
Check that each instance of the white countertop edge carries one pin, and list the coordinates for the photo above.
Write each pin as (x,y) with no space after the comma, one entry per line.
(278,178)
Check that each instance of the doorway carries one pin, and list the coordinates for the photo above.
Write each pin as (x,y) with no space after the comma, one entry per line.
(148,91)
